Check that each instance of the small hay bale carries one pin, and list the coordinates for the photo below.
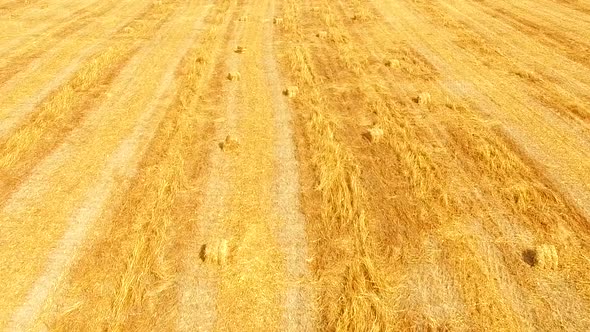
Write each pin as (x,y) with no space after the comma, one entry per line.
(359,17)
(234,76)
(374,134)
(216,252)
(322,34)
(528,75)
(291,91)
(243,18)
(424,98)
(277,20)
(546,257)
(393,63)
(230,143)
(240,49)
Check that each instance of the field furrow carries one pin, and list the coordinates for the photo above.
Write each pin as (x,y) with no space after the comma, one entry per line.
(294,165)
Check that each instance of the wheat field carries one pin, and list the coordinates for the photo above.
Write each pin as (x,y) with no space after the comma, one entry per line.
(294,165)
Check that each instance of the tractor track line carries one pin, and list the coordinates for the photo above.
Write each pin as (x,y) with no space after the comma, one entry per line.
(198,299)
(124,159)
(299,313)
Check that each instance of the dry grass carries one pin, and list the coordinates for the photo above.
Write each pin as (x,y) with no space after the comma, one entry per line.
(134,262)
(439,175)
(536,205)
(61,108)
(431,223)
(61,112)
(344,271)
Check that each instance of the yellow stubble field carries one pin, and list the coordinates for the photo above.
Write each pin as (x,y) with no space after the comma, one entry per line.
(294,165)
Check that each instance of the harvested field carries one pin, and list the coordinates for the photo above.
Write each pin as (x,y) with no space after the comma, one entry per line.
(294,165)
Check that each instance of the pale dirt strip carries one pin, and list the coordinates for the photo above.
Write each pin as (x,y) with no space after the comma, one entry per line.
(251,199)
(299,313)
(141,88)
(199,289)
(20,95)
(543,135)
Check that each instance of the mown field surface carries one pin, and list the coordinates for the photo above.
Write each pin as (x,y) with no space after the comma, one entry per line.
(295,165)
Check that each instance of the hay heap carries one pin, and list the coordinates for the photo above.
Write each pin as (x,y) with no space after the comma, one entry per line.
(424,98)
(546,257)
(322,34)
(217,252)
(291,91)
(393,63)
(374,134)
(230,143)
(234,76)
